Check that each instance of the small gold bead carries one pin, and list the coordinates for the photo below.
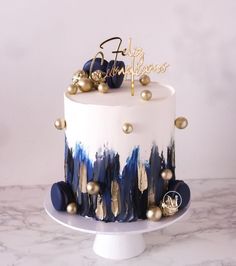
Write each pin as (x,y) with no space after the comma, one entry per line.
(166,174)
(71,208)
(181,122)
(103,88)
(144,80)
(60,123)
(85,84)
(127,128)
(72,89)
(93,187)
(146,95)
(78,75)
(154,213)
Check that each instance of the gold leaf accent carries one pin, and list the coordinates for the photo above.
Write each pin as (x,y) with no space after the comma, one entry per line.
(115,198)
(142,178)
(83,178)
(101,209)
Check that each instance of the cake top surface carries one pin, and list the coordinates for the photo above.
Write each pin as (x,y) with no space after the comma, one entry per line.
(122,97)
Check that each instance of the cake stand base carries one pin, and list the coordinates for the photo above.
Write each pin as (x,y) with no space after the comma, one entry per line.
(118,247)
(115,241)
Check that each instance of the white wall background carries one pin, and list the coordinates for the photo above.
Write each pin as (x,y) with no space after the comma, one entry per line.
(43,42)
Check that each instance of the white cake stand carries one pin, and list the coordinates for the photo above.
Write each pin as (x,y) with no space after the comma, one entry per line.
(113,240)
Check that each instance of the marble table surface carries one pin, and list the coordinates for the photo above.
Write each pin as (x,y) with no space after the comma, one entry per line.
(205,236)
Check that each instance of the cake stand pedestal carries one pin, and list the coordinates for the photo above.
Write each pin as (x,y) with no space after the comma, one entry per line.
(115,241)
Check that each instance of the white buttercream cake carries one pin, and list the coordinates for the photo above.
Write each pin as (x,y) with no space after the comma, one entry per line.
(119,147)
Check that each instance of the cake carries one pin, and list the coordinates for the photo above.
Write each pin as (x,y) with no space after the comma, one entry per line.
(119,144)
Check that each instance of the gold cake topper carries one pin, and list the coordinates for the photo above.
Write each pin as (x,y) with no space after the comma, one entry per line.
(137,66)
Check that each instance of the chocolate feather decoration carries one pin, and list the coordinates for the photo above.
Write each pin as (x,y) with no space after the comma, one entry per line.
(83,178)
(115,198)
(142,178)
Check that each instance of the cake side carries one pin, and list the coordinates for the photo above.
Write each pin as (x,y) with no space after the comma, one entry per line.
(119,141)
(95,121)
(126,167)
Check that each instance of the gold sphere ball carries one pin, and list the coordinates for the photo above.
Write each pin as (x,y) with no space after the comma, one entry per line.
(93,187)
(166,174)
(127,128)
(97,76)
(78,75)
(181,122)
(85,84)
(154,213)
(144,80)
(146,95)
(71,208)
(103,87)
(60,123)
(72,89)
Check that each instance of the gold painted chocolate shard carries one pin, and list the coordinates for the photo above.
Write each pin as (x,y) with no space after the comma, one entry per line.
(115,198)
(83,178)
(142,178)
(101,208)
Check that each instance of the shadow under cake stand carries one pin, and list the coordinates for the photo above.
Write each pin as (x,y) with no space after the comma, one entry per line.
(113,240)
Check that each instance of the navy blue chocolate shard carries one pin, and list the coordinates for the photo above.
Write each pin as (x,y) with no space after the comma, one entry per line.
(116,80)
(61,195)
(109,176)
(183,189)
(143,203)
(69,164)
(82,199)
(97,65)
(128,188)
(171,158)
(83,205)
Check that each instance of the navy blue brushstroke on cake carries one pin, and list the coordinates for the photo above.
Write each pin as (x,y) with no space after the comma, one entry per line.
(106,168)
